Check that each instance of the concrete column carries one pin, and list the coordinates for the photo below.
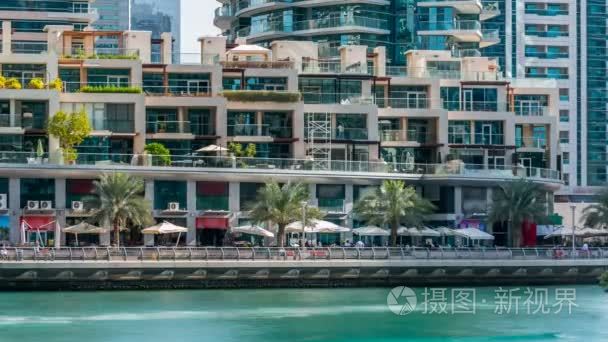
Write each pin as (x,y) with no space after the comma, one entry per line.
(167,48)
(234,197)
(458,203)
(14,205)
(60,198)
(181,118)
(13,111)
(191,218)
(149,191)
(349,201)
(7,33)
(312,193)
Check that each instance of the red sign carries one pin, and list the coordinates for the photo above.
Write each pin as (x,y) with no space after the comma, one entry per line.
(43,223)
(212,222)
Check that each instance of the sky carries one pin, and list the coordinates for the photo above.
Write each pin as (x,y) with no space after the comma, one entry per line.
(197,20)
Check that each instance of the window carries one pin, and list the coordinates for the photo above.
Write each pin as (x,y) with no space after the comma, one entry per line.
(566,178)
(566,158)
(564,115)
(564,137)
(564,94)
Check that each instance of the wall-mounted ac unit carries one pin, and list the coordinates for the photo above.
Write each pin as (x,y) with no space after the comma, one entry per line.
(77,206)
(3,201)
(46,205)
(173,206)
(33,205)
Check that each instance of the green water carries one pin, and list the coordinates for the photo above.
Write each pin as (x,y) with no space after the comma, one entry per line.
(285,315)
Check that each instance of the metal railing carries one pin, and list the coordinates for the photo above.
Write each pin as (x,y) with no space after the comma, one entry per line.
(168,127)
(195,161)
(530,142)
(134,254)
(100,53)
(410,135)
(341,98)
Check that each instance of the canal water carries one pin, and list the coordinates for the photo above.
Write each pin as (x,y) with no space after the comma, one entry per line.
(355,315)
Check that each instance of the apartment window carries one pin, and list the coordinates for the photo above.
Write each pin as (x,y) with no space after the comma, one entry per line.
(564,115)
(564,94)
(564,137)
(566,178)
(566,158)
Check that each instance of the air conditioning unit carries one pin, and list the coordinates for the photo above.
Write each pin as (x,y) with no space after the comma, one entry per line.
(77,206)
(173,206)
(33,205)
(3,201)
(46,205)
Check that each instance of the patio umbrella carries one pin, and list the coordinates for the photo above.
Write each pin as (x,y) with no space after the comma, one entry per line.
(426,231)
(445,231)
(473,234)
(404,231)
(165,228)
(371,231)
(252,230)
(84,228)
(212,148)
(296,227)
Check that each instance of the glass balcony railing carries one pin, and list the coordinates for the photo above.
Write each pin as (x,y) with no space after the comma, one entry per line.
(546,12)
(547,55)
(155,127)
(277,131)
(412,135)
(205,129)
(530,142)
(29,47)
(531,110)
(197,162)
(547,34)
(476,138)
(474,106)
(461,25)
(349,133)
(341,98)
(249,130)
(312,24)
(411,103)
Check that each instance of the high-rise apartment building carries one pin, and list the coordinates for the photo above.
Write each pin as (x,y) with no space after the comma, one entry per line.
(558,40)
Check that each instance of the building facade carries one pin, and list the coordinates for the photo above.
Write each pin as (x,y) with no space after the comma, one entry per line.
(453,127)
(555,40)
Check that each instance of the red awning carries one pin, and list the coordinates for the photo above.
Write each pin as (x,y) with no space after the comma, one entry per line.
(212,222)
(39,222)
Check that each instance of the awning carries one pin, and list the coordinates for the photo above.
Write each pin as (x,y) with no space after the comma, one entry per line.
(473,234)
(41,223)
(213,222)
(252,230)
(371,231)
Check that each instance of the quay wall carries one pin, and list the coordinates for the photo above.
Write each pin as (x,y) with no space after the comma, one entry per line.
(164,274)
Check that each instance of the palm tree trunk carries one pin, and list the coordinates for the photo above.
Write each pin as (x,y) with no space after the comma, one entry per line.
(281,236)
(517,236)
(394,228)
(116,233)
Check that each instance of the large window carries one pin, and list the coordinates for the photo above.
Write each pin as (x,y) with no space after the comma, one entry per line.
(212,196)
(37,189)
(166,192)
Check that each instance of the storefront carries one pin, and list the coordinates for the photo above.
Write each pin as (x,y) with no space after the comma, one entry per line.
(39,229)
(211,229)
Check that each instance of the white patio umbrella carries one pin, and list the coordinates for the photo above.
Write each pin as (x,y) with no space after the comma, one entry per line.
(426,231)
(253,230)
(445,231)
(165,228)
(404,231)
(212,148)
(315,226)
(473,234)
(84,228)
(583,232)
(371,231)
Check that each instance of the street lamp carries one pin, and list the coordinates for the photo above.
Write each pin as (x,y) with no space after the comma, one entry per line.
(304,206)
(573,207)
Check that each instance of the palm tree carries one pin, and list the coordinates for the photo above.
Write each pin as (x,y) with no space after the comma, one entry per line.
(282,205)
(596,215)
(119,200)
(516,202)
(394,204)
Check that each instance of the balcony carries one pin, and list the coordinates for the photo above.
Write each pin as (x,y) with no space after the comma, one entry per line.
(489,38)
(251,7)
(461,6)
(333,67)
(12,161)
(336,98)
(531,143)
(257,65)
(411,136)
(411,103)
(223,17)
(460,30)
(202,129)
(476,138)
(281,132)
(193,90)
(159,127)
(547,55)
(531,109)
(100,53)
(475,106)
(29,47)
(349,133)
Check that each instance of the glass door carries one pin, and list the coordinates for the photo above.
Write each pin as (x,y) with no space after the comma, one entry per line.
(486,134)
(467,99)
(198,87)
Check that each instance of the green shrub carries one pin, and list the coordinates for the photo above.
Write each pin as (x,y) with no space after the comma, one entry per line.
(161,155)
(110,89)
(2,82)
(56,84)
(36,83)
(604,281)
(261,96)
(12,83)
